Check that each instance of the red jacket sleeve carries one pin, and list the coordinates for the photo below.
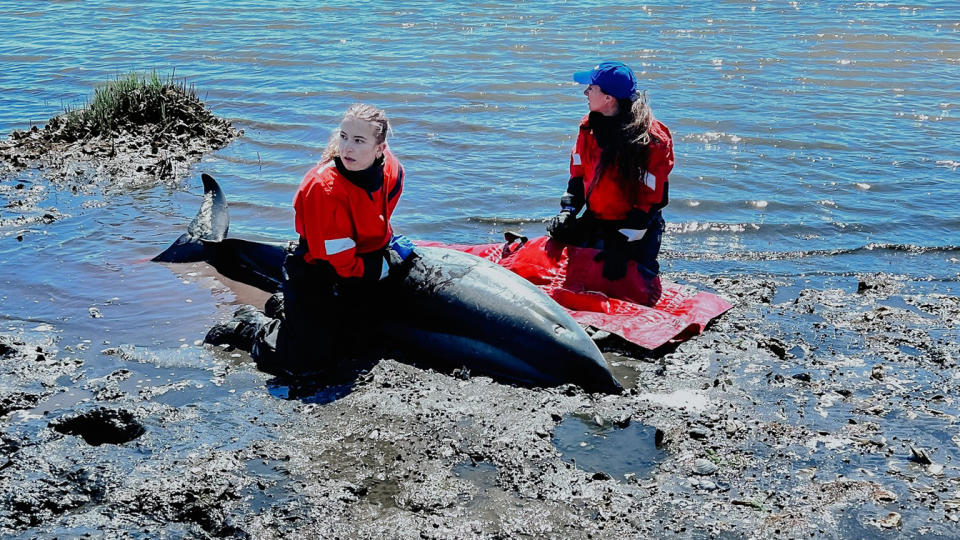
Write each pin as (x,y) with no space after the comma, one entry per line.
(660,165)
(576,160)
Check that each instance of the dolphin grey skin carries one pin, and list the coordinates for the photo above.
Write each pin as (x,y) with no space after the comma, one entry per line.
(448,308)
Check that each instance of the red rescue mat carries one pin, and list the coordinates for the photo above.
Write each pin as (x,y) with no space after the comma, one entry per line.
(647,312)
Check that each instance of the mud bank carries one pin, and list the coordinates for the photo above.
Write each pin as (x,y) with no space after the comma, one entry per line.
(151,138)
(802,412)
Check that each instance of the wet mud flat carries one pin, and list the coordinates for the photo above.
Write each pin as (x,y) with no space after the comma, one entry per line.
(803,412)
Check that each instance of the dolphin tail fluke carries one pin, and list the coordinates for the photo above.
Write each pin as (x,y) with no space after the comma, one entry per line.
(255,263)
(209,226)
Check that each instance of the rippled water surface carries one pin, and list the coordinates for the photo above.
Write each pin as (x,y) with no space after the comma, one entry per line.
(811,137)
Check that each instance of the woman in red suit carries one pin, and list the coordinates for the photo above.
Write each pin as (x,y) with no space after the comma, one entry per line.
(343,209)
(618,173)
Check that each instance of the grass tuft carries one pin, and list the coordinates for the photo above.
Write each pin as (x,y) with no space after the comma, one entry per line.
(137,99)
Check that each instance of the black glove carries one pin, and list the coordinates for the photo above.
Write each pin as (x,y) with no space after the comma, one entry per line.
(614,263)
(561,222)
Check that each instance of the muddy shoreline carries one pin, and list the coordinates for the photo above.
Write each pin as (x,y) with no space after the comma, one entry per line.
(765,427)
(823,411)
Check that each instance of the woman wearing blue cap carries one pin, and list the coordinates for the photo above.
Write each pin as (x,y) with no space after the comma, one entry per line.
(618,171)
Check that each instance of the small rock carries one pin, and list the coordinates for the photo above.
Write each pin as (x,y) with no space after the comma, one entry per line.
(700,433)
(775,346)
(920,456)
(864,286)
(885,496)
(732,427)
(892,521)
(704,467)
(600,475)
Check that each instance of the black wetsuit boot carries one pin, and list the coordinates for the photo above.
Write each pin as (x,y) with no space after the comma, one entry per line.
(240,331)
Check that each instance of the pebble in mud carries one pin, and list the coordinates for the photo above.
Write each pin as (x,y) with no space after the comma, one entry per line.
(893,520)
(704,467)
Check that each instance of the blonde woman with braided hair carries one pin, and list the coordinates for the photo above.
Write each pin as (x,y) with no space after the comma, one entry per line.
(343,209)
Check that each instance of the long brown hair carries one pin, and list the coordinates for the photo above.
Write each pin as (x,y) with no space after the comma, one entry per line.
(366,113)
(630,152)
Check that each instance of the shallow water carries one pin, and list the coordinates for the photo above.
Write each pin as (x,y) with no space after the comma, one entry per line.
(621,452)
(813,139)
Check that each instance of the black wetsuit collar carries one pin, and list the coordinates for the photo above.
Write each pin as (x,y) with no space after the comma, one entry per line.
(369,179)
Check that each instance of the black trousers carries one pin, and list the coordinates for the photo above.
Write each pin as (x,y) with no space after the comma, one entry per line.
(322,321)
(588,231)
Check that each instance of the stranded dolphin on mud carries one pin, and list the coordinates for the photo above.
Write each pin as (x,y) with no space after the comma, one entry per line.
(452,309)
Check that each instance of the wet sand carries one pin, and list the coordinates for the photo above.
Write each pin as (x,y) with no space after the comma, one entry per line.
(823,410)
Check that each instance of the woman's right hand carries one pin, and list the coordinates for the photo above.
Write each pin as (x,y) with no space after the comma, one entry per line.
(560,222)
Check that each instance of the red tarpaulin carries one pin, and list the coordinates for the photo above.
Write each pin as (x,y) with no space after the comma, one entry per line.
(649,313)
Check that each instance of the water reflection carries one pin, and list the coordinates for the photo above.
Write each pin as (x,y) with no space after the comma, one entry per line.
(621,452)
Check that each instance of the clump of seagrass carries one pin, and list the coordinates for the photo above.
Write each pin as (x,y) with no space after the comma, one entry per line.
(137,129)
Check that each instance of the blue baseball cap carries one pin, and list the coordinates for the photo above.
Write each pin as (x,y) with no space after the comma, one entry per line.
(614,78)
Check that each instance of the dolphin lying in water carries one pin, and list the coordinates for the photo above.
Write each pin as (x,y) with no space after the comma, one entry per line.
(450,308)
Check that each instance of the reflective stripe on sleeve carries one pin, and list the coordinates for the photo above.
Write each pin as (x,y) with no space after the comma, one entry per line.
(337,245)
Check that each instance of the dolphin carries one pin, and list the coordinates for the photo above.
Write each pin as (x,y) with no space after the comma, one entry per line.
(448,308)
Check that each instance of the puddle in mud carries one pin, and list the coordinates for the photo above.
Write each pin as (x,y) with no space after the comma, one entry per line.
(271,484)
(481,474)
(898,302)
(616,451)
(787,293)
(910,351)
(383,493)
(484,497)
(310,394)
